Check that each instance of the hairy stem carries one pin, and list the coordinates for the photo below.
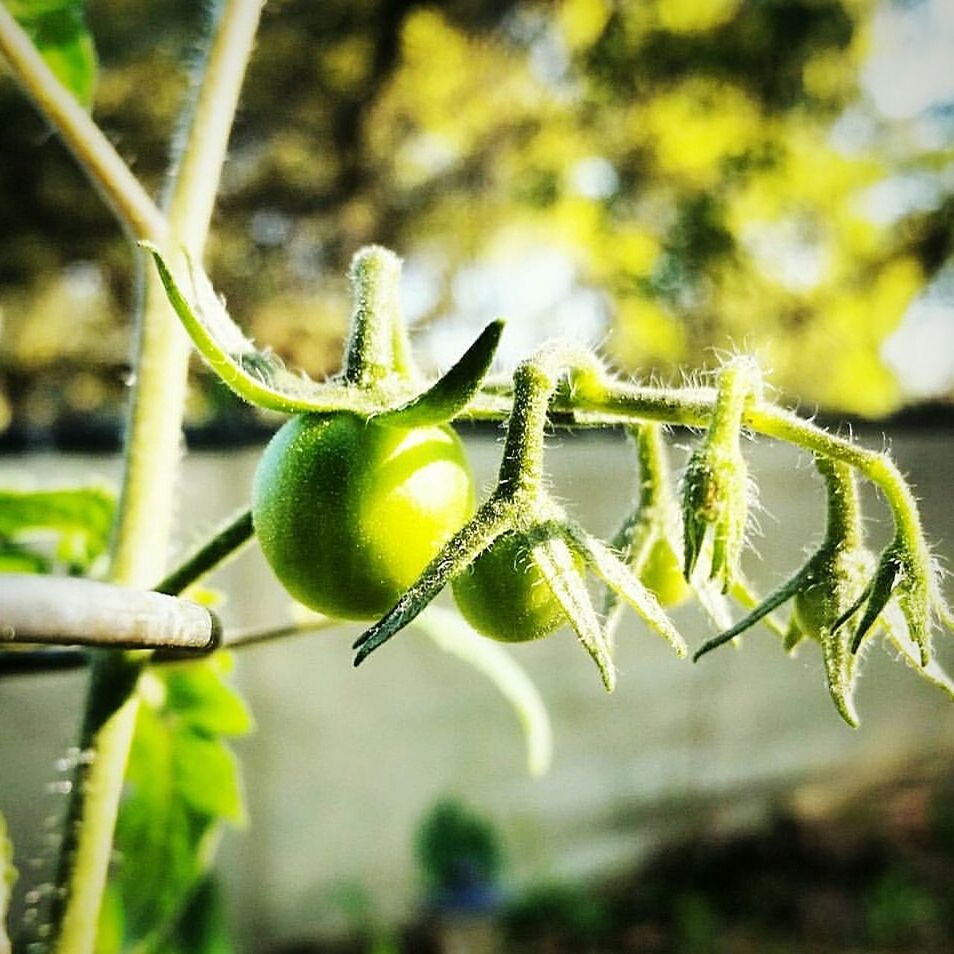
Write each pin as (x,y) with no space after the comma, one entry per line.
(375,277)
(152,453)
(692,407)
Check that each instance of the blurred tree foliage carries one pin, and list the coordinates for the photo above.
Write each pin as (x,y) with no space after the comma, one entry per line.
(675,157)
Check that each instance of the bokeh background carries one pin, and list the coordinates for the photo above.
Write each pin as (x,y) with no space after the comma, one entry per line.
(668,180)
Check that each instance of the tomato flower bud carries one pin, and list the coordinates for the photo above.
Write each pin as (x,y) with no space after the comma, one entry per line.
(716,487)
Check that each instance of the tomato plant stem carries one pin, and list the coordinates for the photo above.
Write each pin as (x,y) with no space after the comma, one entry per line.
(146,506)
(122,190)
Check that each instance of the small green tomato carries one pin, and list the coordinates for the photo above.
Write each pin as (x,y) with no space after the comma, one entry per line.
(504,595)
(662,575)
(840,577)
(348,512)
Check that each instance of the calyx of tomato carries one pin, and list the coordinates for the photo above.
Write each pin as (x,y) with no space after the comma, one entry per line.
(378,380)
(520,505)
(827,590)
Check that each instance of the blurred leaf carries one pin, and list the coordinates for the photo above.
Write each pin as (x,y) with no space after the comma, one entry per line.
(457,848)
(202,928)
(15,558)
(449,631)
(183,784)
(8,876)
(197,693)
(58,30)
(713,177)
(79,518)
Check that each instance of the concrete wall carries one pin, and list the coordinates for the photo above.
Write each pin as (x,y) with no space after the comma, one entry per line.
(345,762)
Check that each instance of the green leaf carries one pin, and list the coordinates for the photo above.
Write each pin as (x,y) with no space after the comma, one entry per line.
(450,394)
(196,692)
(452,634)
(206,777)
(8,876)
(58,31)
(80,519)
(182,784)
(460,551)
(202,928)
(15,558)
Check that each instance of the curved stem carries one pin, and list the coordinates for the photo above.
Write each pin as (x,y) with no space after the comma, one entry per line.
(95,153)
(150,477)
(534,385)
(653,466)
(843,524)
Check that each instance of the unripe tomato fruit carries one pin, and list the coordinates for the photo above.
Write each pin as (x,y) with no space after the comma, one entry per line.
(503,594)
(348,513)
(662,575)
(840,580)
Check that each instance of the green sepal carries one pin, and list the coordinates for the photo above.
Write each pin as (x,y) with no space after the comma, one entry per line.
(491,521)
(875,596)
(620,579)
(840,670)
(744,594)
(793,635)
(451,393)
(58,31)
(771,602)
(554,558)
(258,377)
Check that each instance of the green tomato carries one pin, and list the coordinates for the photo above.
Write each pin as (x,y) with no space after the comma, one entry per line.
(662,575)
(840,579)
(504,595)
(348,512)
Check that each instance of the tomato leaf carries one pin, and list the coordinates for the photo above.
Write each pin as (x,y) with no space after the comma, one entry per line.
(58,31)
(452,634)
(8,875)
(79,519)
(202,928)
(450,394)
(182,784)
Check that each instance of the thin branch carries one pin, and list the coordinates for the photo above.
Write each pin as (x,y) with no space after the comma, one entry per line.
(223,544)
(99,160)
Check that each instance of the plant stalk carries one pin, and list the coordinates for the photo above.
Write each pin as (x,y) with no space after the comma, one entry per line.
(123,192)
(146,505)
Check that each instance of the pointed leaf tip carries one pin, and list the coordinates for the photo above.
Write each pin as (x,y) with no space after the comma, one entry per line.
(450,394)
